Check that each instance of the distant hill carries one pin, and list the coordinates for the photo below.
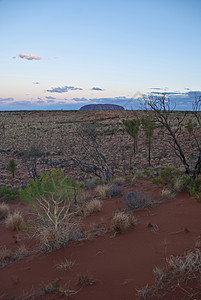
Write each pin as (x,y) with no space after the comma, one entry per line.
(102,107)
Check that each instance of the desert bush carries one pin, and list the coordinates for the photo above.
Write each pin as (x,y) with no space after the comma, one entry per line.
(14,221)
(119,180)
(136,200)
(7,194)
(122,221)
(181,183)
(115,190)
(4,211)
(166,176)
(93,206)
(168,193)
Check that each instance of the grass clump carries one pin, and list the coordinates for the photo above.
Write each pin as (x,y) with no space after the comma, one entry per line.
(4,211)
(14,221)
(65,265)
(93,206)
(8,194)
(102,191)
(136,200)
(195,189)
(168,193)
(20,252)
(5,255)
(84,279)
(166,176)
(122,221)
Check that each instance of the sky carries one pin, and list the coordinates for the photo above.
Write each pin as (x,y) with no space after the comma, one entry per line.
(63,54)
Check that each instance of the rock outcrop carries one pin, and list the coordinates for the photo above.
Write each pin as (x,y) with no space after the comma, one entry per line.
(102,107)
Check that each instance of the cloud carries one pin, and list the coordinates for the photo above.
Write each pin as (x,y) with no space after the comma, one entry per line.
(29,57)
(64,89)
(96,89)
(50,98)
(36,82)
(6,99)
(39,98)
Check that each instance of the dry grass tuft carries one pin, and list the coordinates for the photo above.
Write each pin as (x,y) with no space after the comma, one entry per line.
(168,194)
(84,279)
(122,221)
(65,265)
(102,191)
(4,211)
(93,206)
(5,254)
(14,221)
(21,252)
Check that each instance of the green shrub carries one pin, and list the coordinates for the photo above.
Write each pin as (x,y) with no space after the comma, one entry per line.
(7,193)
(166,176)
(195,189)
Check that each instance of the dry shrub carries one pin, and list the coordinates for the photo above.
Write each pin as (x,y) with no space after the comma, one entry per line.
(65,265)
(119,180)
(20,252)
(93,206)
(181,183)
(168,194)
(14,221)
(122,221)
(102,191)
(53,239)
(4,211)
(136,200)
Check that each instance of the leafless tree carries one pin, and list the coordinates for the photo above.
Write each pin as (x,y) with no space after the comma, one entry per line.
(173,123)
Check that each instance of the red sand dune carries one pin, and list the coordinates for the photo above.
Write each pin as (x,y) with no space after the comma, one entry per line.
(118,265)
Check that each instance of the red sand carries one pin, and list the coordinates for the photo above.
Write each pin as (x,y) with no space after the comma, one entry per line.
(118,265)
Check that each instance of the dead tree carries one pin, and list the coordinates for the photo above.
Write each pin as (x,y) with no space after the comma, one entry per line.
(173,124)
(90,157)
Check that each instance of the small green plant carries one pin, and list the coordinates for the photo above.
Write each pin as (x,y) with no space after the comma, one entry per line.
(84,279)
(8,194)
(166,176)
(12,167)
(195,189)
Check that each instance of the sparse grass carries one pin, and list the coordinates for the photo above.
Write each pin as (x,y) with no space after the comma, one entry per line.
(14,221)
(4,211)
(168,194)
(21,252)
(66,265)
(179,270)
(122,221)
(93,206)
(136,200)
(84,279)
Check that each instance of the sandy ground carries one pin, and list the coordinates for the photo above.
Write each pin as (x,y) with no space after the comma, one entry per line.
(118,265)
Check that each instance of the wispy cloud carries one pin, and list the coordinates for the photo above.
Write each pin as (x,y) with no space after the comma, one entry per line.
(6,99)
(29,57)
(96,89)
(36,82)
(50,98)
(64,89)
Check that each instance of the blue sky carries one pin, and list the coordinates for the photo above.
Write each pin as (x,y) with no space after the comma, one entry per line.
(62,54)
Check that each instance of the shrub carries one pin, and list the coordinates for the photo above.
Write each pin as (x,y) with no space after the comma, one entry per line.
(14,221)
(166,176)
(122,221)
(84,279)
(7,194)
(4,211)
(136,200)
(181,183)
(195,189)
(114,190)
(93,206)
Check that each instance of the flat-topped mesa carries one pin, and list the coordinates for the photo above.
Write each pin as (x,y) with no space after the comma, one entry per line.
(102,107)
